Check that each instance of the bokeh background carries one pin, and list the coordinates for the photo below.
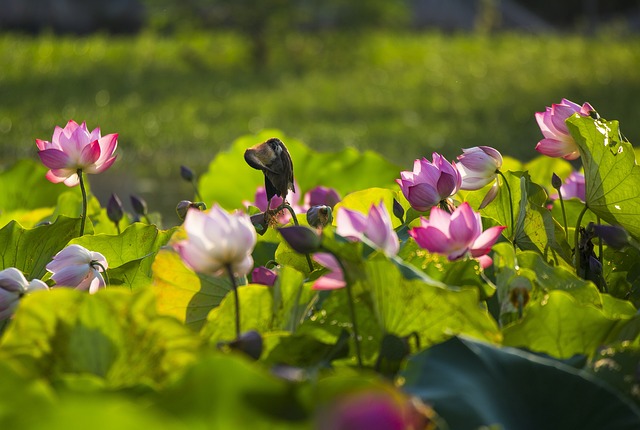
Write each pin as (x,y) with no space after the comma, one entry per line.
(179,80)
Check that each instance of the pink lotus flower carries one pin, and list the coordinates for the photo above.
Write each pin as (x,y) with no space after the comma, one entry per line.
(572,187)
(457,234)
(13,286)
(262,275)
(557,141)
(478,166)
(76,266)
(260,201)
(74,148)
(332,280)
(430,182)
(217,240)
(320,196)
(376,227)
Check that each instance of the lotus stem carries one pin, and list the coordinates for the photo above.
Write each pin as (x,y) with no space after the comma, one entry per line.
(352,311)
(83,216)
(234,287)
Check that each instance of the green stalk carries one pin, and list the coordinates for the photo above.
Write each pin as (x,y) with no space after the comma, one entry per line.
(234,286)
(513,226)
(352,311)
(576,238)
(83,217)
(564,215)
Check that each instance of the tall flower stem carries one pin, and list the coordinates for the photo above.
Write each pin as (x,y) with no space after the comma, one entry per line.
(83,217)
(295,222)
(564,214)
(513,226)
(352,310)
(234,286)
(576,239)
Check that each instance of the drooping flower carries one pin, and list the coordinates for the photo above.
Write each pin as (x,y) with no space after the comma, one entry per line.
(13,286)
(74,148)
(557,141)
(77,267)
(455,235)
(478,166)
(264,276)
(332,280)
(430,183)
(376,227)
(216,240)
(572,187)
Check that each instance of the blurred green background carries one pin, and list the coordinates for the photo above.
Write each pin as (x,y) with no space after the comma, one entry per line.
(179,81)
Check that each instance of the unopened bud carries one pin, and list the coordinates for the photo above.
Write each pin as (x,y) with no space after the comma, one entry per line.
(301,239)
(138,204)
(249,342)
(114,209)
(556,182)
(319,216)
(187,174)
(398,210)
(184,205)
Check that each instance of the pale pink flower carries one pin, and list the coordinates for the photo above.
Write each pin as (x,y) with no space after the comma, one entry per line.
(478,166)
(216,240)
(332,280)
(557,141)
(376,227)
(77,267)
(74,148)
(13,286)
(430,182)
(455,235)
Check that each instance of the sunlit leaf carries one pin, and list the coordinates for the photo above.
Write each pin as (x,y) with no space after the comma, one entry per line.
(561,326)
(115,337)
(612,176)
(184,294)
(346,171)
(30,250)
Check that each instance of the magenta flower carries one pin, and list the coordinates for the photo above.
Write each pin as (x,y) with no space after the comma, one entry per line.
(478,166)
(332,280)
(77,267)
(13,286)
(74,148)
(557,141)
(430,182)
(260,201)
(376,227)
(218,240)
(572,187)
(455,235)
(321,196)
(262,275)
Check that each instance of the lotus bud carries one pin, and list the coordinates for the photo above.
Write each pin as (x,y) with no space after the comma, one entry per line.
(301,239)
(184,205)
(398,210)
(319,216)
(139,205)
(187,174)
(556,182)
(114,209)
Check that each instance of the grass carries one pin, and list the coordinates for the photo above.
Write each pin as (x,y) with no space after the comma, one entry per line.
(180,100)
